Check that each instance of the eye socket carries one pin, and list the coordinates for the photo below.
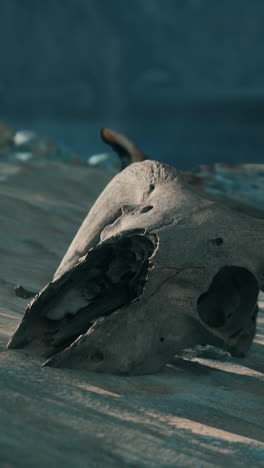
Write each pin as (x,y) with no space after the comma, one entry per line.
(145,209)
(231,297)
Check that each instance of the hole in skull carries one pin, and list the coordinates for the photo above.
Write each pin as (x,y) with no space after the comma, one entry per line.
(146,209)
(97,356)
(112,275)
(217,241)
(151,187)
(230,299)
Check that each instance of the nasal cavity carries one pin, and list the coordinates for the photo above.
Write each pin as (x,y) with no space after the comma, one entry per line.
(231,297)
(145,209)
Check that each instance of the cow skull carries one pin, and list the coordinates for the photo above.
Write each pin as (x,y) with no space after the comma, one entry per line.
(153,269)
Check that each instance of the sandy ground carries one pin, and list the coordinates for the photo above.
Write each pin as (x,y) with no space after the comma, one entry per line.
(205,409)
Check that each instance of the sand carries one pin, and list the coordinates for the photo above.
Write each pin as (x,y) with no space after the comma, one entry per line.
(205,409)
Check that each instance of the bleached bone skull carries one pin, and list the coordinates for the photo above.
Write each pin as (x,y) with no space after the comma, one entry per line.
(153,269)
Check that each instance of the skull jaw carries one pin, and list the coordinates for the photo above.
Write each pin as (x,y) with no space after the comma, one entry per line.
(135,353)
(138,339)
(105,348)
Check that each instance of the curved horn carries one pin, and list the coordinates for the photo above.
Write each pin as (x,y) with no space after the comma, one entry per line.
(125,149)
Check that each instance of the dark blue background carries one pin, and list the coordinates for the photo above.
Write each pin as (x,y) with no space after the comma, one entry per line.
(183,78)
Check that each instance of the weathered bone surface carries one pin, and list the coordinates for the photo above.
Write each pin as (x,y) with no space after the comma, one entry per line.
(240,187)
(153,269)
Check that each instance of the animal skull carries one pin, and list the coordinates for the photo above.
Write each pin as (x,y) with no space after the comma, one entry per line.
(153,269)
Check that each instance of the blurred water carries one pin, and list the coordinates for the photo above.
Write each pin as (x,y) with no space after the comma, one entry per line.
(183,79)
(183,142)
